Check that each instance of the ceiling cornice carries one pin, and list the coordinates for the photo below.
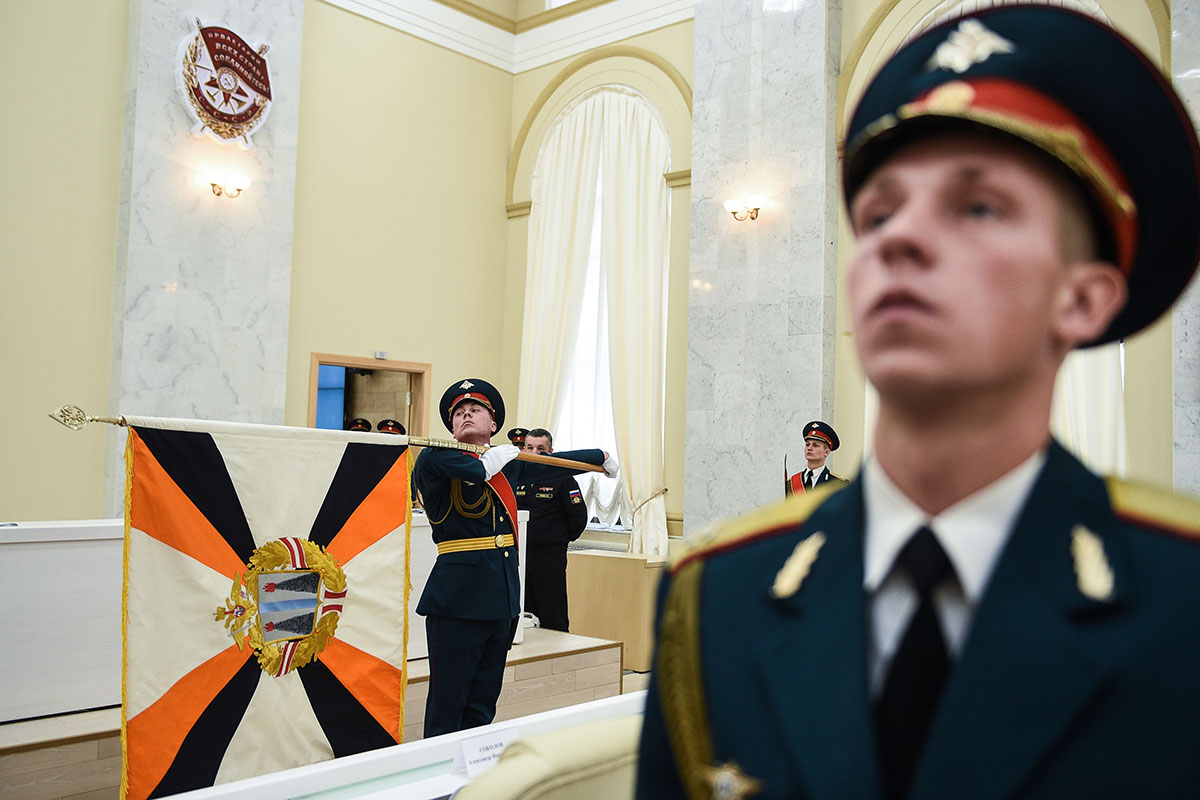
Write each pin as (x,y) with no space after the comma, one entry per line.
(561,38)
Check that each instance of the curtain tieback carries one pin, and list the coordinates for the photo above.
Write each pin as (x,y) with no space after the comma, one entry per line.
(639,506)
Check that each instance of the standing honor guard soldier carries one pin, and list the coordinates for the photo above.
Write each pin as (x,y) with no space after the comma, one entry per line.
(820,440)
(557,517)
(472,599)
(976,615)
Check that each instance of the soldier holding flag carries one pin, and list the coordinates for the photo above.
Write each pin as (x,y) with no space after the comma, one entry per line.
(472,599)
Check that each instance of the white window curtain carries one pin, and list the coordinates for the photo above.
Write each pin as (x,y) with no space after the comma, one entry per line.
(586,413)
(621,124)
(1088,415)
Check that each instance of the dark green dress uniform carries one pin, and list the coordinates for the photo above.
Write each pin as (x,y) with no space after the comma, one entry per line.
(472,598)
(1080,672)
(1064,688)
(557,516)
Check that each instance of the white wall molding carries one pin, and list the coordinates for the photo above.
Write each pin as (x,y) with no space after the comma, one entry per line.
(563,38)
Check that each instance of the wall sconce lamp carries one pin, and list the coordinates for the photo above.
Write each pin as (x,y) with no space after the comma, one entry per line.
(230,185)
(743,210)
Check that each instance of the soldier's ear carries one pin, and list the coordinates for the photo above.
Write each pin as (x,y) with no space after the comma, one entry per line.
(1092,293)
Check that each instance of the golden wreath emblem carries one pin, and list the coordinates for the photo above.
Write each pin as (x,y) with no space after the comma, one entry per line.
(226,83)
(286,605)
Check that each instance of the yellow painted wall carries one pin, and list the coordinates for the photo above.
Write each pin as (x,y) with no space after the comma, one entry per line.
(62,83)
(871,31)
(400,232)
(673,45)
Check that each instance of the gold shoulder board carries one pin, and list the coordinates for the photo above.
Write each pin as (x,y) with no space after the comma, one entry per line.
(1155,507)
(730,534)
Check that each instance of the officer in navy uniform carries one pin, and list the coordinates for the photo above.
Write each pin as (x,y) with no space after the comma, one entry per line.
(976,614)
(472,599)
(557,517)
(820,440)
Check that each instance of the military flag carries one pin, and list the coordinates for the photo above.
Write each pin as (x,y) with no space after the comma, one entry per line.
(266,599)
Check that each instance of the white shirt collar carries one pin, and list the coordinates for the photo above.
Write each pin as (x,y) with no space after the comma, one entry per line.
(972,531)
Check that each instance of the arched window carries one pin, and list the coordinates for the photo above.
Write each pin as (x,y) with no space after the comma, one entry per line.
(596,286)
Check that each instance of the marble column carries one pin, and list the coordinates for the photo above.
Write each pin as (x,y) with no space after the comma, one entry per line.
(762,308)
(203,283)
(1185,69)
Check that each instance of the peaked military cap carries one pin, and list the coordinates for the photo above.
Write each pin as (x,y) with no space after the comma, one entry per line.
(517,435)
(475,389)
(1078,91)
(359,424)
(390,426)
(822,433)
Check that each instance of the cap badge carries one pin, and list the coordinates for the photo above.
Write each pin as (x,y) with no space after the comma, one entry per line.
(728,782)
(1092,571)
(465,385)
(796,568)
(971,44)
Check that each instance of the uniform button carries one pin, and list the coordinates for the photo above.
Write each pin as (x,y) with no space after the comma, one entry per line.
(506,554)
(502,518)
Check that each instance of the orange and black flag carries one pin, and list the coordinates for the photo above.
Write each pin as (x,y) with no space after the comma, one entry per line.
(266,600)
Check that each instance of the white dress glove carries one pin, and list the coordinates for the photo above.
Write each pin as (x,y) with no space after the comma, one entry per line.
(494,458)
(611,468)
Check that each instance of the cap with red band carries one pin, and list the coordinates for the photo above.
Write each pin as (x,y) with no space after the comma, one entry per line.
(1076,90)
(476,390)
(822,432)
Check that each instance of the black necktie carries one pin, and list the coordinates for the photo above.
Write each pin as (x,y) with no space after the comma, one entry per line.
(811,480)
(918,672)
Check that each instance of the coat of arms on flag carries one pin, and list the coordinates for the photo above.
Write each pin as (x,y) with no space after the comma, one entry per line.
(226,82)
(266,599)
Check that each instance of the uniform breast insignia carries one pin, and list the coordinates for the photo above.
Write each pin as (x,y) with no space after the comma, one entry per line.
(1092,571)
(286,605)
(728,782)
(970,44)
(576,497)
(796,568)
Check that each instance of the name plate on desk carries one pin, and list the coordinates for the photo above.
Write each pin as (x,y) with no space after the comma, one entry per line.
(477,754)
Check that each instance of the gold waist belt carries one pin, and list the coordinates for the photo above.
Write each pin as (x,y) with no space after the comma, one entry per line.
(482,543)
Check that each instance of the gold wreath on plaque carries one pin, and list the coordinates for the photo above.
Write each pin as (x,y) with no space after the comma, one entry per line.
(227,83)
(286,605)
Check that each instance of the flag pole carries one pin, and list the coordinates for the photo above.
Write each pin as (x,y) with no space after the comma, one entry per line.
(75,419)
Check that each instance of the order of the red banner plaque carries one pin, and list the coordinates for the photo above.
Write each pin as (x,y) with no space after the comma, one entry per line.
(226,82)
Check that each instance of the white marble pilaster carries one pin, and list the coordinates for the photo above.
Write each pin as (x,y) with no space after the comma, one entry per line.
(1185,68)
(761,316)
(203,283)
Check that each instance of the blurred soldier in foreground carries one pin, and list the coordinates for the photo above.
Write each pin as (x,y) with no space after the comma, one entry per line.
(976,615)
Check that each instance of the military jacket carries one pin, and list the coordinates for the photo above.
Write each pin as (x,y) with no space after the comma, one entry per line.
(475,584)
(795,484)
(557,512)
(1078,677)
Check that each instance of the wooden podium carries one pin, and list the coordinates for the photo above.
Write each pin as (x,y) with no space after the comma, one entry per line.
(611,595)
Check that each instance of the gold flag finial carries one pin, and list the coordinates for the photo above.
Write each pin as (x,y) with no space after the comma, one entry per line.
(74,418)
